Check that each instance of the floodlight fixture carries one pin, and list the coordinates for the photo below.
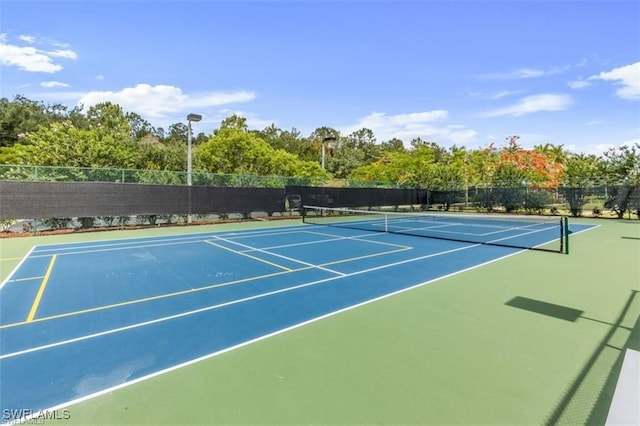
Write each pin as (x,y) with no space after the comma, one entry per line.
(325,141)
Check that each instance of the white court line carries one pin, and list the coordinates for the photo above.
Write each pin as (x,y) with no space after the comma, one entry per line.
(499,228)
(241,235)
(18,266)
(625,406)
(101,248)
(81,250)
(248,256)
(221,305)
(337,262)
(17,280)
(198,289)
(291,259)
(333,238)
(521,235)
(361,237)
(267,336)
(548,227)
(118,244)
(76,245)
(428,228)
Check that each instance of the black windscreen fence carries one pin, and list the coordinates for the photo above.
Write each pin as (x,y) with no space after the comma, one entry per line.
(43,200)
(85,199)
(208,199)
(357,197)
(20,199)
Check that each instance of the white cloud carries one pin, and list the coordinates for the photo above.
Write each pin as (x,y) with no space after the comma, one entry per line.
(520,73)
(31,59)
(578,84)
(627,76)
(525,73)
(590,149)
(99,77)
(27,59)
(600,148)
(63,53)
(413,125)
(27,39)
(504,94)
(528,73)
(163,100)
(533,104)
(49,84)
(493,95)
(402,120)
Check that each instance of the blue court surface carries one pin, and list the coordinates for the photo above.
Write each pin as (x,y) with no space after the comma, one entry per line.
(80,319)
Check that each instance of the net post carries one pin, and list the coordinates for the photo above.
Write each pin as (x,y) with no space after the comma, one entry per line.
(565,228)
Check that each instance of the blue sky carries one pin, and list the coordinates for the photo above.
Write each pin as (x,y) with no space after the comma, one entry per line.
(454,72)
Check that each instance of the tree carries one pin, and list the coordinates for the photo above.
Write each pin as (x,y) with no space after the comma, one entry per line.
(234,122)
(622,164)
(519,166)
(232,150)
(579,175)
(406,168)
(364,140)
(394,144)
(342,159)
(289,140)
(520,174)
(21,116)
(139,126)
(345,154)
(109,118)
(393,166)
(161,155)
(481,165)
(622,169)
(444,182)
(62,144)
(554,153)
(177,132)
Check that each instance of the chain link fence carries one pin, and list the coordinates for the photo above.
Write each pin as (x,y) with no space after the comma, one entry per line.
(167,177)
(591,199)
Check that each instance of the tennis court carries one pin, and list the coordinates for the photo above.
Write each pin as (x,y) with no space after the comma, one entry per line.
(83,319)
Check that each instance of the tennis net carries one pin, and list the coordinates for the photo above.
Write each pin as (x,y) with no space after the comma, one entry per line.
(524,232)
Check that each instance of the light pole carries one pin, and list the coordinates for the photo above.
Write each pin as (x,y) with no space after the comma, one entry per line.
(190,118)
(195,118)
(324,145)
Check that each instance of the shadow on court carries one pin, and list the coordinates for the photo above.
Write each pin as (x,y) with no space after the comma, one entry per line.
(544,308)
(588,398)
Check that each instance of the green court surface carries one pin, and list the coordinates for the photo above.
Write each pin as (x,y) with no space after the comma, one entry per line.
(534,338)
